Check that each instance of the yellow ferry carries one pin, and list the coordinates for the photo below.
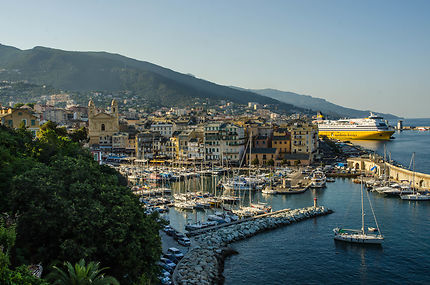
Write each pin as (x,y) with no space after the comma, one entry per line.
(370,128)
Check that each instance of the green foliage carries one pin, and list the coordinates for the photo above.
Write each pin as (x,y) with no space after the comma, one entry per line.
(270,162)
(81,274)
(255,161)
(79,136)
(20,275)
(70,208)
(18,105)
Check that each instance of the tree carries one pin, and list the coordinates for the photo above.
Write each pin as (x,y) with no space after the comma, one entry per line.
(75,207)
(18,105)
(271,162)
(21,275)
(79,135)
(255,161)
(81,274)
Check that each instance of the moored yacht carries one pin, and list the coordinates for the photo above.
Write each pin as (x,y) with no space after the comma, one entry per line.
(318,179)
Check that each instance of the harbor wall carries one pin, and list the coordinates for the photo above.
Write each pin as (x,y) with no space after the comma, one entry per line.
(204,262)
(398,174)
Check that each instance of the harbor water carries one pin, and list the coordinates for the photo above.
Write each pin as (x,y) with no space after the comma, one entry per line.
(400,149)
(306,253)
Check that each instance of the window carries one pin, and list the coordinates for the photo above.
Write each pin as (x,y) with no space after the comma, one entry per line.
(33,122)
(103,127)
(10,122)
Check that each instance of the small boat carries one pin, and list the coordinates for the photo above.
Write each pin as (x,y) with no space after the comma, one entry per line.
(415,196)
(318,179)
(270,191)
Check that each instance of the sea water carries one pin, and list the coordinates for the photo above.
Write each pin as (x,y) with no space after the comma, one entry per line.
(306,253)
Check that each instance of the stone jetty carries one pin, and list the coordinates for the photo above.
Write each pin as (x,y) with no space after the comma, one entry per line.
(204,262)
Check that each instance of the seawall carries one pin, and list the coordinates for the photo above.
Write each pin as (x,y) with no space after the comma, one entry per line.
(204,262)
(421,180)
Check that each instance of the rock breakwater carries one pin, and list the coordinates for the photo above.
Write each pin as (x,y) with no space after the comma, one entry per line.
(204,262)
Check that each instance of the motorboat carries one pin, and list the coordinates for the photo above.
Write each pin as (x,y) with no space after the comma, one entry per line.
(318,179)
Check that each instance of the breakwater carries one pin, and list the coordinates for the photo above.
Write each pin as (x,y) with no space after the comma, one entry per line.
(396,173)
(203,264)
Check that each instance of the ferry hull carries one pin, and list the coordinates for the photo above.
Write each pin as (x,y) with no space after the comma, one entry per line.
(357,135)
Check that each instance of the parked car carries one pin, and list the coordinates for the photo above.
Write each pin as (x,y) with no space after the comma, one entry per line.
(169,230)
(178,235)
(169,262)
(184,241)
(171,257)
(175,252)
(164,280)
(164,277)
(164,266)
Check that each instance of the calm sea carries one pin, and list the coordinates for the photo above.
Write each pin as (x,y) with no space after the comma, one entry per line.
(400,149)
(305,253)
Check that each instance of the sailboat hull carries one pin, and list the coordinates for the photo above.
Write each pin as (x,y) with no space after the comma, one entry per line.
(415,197)
(359,238)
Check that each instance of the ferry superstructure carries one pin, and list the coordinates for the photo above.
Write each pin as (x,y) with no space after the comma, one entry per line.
(370,128)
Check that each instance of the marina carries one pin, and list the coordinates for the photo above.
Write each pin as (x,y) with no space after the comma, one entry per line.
(404,224)
(198,201)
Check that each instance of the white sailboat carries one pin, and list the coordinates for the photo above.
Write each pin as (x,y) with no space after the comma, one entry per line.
(360,236)
(415,196)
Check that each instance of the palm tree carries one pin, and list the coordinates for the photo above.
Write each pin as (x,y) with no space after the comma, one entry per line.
(81,274)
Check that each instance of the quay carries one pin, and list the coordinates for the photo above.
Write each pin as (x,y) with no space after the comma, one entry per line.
(395,173)
(204,262)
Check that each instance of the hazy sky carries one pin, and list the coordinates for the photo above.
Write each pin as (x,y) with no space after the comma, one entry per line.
(362,54)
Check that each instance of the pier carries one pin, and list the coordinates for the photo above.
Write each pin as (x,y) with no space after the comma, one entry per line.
(395,173)
(204,262)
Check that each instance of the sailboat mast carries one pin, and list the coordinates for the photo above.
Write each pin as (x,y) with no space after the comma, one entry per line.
(249,172)
(413,172)
(362,207)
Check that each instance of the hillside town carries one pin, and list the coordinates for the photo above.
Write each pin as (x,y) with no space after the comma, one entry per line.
(200,134)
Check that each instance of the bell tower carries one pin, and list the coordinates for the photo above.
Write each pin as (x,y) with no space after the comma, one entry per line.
(91,108)
(114,112)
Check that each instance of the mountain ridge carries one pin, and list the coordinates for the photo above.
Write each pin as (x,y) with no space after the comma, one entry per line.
(85,71)
(113,72)
(315,103)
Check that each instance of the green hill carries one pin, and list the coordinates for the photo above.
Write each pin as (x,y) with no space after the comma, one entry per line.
(101,71)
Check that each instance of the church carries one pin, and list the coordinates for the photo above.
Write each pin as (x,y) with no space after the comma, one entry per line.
(102,124)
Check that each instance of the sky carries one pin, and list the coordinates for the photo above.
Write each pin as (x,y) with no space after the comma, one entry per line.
(363,54)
